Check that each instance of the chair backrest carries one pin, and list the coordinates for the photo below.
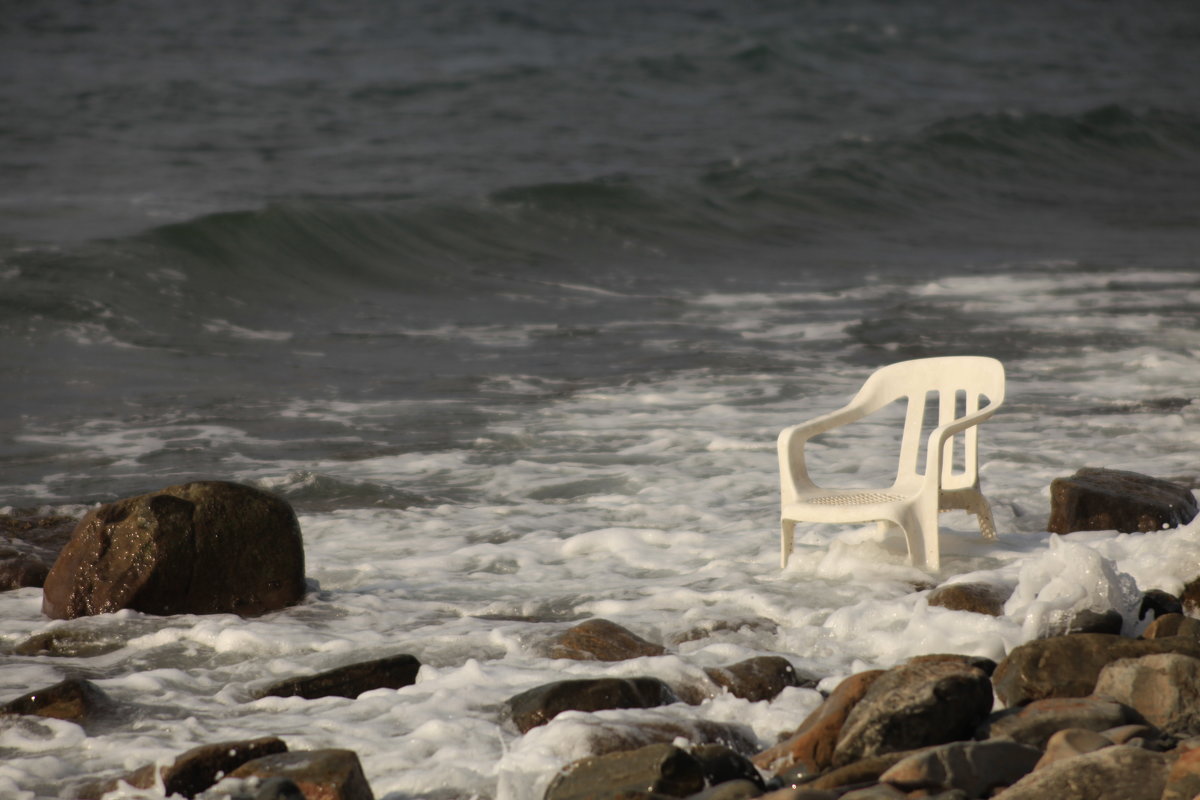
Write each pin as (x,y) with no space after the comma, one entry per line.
(957,385)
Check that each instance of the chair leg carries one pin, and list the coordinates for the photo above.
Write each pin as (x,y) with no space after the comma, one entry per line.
(983,512)
(786,536)
(921,533)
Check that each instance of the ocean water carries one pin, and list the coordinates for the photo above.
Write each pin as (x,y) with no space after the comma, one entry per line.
(510,300)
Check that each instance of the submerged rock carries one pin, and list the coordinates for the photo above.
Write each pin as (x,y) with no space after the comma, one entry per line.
(600,640)
(916,704)
(393,672)
(978,598)
(1107,499)
(75,700)
(319,774)
(197,548)
(660,769)
(68,643)
(541,704)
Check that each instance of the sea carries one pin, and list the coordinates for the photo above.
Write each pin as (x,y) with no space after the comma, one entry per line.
(510,300)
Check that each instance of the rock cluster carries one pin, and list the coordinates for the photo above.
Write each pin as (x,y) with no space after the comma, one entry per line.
(1081,715)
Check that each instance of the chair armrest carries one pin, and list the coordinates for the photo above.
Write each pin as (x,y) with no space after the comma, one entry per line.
(792,469)
(936,442)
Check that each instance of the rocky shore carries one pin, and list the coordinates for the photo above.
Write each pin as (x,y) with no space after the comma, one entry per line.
(1084,712)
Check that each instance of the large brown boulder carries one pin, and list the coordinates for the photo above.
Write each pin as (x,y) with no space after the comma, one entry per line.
(197,548)
(920,703)
(1108,499)
(1068,666)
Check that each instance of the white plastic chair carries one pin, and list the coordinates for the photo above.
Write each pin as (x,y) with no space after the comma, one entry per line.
(920,490)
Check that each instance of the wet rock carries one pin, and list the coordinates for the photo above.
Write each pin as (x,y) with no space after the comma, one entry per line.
(760,678)
(978,598)
(661,769)
(1088,621)
(1071,742)
(197,548)
(1068,666)
(738,789)
(29,543)
(722,764)
(880,791)
(976,768)
(193,771)
(863,771)
(1158,603)
(539,705)
(811,747)
(716,626)
(1146,736)
(1172,625)
(21,570)
(800,793)
(75,700)
(1114,773)
(68,643)
(614,736)
(1189,598)
(986,665)
(600,640)
(1033,724)
(394,672)
(1107,499)
(278,789)
(1183,780)
(319,774)
(1164,688)
(914,705)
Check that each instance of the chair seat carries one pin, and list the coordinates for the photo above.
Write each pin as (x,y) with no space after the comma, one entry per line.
(862,498)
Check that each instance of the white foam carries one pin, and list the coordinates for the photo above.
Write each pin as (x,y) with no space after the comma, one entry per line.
(224,326)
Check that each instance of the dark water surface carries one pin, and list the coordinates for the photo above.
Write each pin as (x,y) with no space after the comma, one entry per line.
(213,215)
